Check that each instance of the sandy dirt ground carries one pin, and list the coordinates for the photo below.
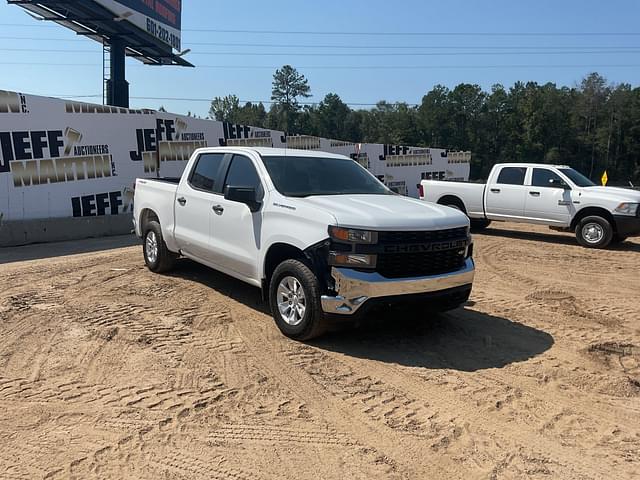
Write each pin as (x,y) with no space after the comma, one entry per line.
(110,371)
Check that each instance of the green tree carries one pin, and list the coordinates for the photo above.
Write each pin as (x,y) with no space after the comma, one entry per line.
(331,116)
(435,122)
(253,114)
(288,85)
(593,126)
(224,108)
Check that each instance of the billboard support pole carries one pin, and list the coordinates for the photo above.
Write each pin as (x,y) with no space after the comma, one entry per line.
(117,85)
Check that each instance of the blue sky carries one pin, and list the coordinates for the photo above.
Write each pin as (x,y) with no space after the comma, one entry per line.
(559,55)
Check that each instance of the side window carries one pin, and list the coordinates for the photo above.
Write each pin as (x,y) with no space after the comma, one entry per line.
(205,173)
(545,178)
(242,173)
(512,176)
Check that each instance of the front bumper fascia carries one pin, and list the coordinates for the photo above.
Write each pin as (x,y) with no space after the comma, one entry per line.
(627,226)
(354,288)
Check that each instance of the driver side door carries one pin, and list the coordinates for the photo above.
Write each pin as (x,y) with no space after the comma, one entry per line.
(548,199)
(235,229)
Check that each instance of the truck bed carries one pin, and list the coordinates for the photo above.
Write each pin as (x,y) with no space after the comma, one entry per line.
(175,180)
(471,194)
(159,195)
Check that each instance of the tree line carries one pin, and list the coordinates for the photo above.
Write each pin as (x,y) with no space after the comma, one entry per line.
(593,126)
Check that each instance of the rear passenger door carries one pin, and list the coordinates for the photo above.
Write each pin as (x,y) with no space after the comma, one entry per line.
(505,197)
(193,205)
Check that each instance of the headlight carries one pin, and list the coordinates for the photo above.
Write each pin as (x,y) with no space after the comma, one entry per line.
(627,208)
(352,236)
(355,260)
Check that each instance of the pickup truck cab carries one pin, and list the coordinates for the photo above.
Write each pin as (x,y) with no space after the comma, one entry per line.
(554,195)
(318,233)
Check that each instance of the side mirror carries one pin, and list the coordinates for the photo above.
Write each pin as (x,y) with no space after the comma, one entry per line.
(246,195)
(553,182)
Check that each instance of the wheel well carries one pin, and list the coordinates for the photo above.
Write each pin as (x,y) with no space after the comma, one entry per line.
(452,200)
(586,212)
(278,253)
(147,216)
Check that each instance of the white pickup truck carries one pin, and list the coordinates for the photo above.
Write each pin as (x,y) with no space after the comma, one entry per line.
(553,195)
(317,232)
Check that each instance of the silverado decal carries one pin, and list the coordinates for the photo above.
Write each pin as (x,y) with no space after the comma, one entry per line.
(426,247)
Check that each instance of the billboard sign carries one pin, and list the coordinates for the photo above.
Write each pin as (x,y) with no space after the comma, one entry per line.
(61,158)
(160,18)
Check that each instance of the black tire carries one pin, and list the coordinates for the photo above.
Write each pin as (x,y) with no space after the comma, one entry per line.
(456,205)
(478,224)
(164,260)
(594,232)
(313,322)
(618,239)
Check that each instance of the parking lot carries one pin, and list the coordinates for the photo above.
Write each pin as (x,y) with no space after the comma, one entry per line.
(110,371)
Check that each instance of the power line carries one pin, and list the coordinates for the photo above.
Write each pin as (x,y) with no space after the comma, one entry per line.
(47,50)
(377,33)
(405,54)
(356,67)
(426,34)
(359,47)
(407,47)
(30,25)
(43,39)
(359,54)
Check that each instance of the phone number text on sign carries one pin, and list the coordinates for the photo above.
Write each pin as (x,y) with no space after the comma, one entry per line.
(163,34)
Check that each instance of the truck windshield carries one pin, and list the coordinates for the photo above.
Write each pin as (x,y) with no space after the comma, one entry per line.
(307,176)
(576,177)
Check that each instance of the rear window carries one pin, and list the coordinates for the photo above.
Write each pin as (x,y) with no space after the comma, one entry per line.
(205,174)
(512,176)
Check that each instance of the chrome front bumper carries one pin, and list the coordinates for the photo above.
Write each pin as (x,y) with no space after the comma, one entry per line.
(355,288)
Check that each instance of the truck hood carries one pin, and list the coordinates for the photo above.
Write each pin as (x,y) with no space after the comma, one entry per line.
(387,212)
(614,193)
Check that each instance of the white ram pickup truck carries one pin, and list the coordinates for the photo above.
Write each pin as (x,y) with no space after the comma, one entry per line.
(318,233)
(553,195)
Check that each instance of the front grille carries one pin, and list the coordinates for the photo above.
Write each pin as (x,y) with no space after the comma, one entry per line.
(419,264)
(402,265)
(421,236)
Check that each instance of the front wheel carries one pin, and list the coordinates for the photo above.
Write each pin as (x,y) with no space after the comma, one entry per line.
(594,232)
(294,296)
(618,239)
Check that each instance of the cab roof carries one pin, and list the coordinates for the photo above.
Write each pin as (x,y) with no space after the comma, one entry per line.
(523,164)
(275,152)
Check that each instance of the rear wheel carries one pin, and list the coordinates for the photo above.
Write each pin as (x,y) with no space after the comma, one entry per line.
(294,297)
(476,223)
(156,254)
(594,232)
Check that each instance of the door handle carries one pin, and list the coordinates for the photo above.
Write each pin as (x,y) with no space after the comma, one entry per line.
(534,194)
(495,190)
(182,201)
(218,209)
